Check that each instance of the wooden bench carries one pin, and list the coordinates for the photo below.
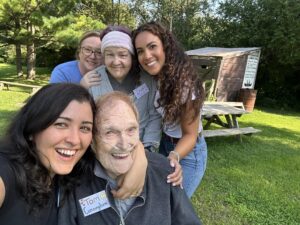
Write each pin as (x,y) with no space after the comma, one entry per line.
(229,132)
(7,84)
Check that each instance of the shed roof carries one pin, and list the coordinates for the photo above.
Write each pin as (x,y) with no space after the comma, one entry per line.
(220,52)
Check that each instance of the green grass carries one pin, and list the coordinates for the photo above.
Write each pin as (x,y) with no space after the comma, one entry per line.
(12,99)
(9,73)
(257,181)
(253,182)
(10,102)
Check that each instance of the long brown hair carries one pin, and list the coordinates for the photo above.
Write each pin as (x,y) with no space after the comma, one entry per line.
(17,146)
(179,86)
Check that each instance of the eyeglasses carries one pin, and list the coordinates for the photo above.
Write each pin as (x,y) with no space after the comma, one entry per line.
(89,51)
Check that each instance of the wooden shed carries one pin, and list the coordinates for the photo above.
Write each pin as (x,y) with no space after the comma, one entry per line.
(231,69)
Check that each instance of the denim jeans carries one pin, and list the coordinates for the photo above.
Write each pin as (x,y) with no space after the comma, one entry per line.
(193,165)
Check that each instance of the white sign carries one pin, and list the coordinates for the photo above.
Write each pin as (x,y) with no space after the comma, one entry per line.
(141,91)
(94,203)
(251,70)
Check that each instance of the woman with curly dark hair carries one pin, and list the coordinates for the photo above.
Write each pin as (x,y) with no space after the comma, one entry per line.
(44,154)
(179,99)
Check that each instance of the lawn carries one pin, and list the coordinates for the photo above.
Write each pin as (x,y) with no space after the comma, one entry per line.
(253,182)
(8,73)
(257,181)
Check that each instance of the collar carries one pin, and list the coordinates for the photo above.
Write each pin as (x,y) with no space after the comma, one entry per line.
(122,206)
(99,171)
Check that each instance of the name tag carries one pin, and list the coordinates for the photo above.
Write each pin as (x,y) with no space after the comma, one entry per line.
(141,91)
(94,203)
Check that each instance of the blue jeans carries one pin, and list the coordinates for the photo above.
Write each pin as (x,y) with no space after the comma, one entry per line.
(193,165)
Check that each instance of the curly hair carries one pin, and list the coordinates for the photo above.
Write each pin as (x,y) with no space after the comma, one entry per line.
(17,146)
(179,86)
(135,69)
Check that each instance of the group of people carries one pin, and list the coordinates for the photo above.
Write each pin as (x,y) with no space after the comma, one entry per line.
(67,160)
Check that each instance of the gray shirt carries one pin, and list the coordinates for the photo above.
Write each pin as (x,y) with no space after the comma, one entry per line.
(143,96)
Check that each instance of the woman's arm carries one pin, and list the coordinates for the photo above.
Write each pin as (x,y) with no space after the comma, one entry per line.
(189,129)
(2,192)
(185,145)
(132,183)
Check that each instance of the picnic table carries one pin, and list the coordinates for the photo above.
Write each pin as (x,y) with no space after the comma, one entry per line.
(214,113)
(7,84)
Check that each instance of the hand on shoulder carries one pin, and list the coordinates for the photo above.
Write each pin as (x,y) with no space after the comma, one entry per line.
(90,79)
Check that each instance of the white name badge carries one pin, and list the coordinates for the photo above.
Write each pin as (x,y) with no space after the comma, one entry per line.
(141,91)
(94,203)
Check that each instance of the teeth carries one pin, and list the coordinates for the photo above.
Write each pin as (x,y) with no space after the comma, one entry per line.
(91,62)
(120,154)
(150,64)
(66,152)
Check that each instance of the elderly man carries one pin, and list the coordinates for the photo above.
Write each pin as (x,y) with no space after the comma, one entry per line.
(159,203)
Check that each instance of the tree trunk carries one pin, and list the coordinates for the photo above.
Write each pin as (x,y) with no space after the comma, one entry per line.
(31,55)
(18,48)
(19,60)
(119,12)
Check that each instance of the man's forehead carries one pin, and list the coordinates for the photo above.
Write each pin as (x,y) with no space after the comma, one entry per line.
(115,108)
(117,117)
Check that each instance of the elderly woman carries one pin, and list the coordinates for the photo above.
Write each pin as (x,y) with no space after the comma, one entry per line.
(120,72)
(117,135)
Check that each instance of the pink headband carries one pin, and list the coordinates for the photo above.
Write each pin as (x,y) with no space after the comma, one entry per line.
(117,39)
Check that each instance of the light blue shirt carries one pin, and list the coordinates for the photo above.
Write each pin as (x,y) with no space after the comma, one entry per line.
(66,73)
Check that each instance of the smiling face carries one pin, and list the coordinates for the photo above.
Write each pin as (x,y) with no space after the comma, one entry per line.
(150,52)
(88,62)
(118,134)
(118,62)
(63,143)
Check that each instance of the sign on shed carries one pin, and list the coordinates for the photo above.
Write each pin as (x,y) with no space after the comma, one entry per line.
(251,70)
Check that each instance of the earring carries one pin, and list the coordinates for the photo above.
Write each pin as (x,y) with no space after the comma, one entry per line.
(30,138)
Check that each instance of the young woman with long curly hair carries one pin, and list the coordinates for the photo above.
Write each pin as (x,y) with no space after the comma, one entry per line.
(180,97)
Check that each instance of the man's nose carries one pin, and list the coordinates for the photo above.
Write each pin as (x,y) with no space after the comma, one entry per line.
(124,142)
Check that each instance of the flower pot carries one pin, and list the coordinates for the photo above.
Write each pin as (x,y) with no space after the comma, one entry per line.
(248,97)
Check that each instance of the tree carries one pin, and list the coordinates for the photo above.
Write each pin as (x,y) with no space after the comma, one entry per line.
(179,16)
(22,23)
(107,11)
(272,25)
